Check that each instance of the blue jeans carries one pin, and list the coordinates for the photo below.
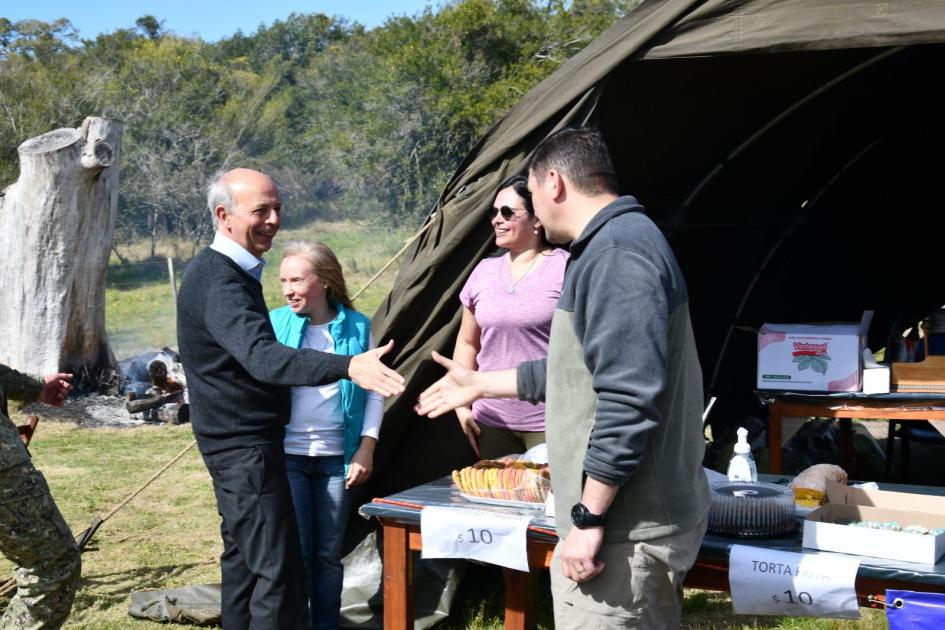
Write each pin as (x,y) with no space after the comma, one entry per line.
(321,509)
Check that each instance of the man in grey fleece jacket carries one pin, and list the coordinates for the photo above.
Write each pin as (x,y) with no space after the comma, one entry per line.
(623,392)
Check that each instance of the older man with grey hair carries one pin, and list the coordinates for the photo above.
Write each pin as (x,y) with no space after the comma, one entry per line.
(239,377)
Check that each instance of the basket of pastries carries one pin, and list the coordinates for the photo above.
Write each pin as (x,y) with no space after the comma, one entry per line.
(505,479)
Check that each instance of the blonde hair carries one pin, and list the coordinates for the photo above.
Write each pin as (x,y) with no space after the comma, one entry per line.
(326,267)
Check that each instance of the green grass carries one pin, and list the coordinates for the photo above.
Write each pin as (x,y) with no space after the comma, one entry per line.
(168,536)
(139,305)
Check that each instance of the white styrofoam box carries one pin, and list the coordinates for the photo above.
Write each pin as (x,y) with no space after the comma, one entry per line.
(822,531)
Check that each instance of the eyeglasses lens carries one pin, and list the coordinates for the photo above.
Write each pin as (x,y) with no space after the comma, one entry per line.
(507,212)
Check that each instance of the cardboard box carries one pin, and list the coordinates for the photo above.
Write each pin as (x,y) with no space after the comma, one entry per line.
(822,532)
(924,376)
(812,357)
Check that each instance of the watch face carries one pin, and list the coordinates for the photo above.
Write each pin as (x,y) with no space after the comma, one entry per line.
(578,514)
(581,517)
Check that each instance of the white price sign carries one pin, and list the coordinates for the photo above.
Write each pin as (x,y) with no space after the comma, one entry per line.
(456,532)
(770,582)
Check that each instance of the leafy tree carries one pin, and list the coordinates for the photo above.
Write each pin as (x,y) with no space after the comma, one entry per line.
(395,110)
(297,39)
(34,39)
(38,85)
(150,26)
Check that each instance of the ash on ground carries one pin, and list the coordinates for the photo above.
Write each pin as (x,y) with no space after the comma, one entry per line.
(158,375)
(94,410)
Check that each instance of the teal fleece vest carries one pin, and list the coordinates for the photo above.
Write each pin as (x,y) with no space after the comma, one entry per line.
(351,332)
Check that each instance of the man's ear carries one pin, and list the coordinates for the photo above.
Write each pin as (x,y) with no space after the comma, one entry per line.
(221,214)
(557,185)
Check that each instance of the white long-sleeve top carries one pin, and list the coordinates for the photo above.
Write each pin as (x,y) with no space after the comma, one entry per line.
(316,426)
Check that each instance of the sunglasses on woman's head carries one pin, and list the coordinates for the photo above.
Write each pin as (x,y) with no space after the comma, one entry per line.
(507,212)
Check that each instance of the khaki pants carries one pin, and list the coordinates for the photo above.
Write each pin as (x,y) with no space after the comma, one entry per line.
(641,586)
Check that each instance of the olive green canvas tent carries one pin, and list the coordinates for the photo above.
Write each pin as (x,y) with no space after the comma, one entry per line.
(791,150)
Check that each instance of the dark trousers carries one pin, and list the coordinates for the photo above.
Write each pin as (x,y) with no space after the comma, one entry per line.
(263,574)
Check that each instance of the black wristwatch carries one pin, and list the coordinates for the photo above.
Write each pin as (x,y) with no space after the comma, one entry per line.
(584,518)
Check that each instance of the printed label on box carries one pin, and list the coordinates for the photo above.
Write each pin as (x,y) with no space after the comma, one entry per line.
(808,357)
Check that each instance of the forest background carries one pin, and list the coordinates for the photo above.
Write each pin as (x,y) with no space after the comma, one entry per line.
(355,124)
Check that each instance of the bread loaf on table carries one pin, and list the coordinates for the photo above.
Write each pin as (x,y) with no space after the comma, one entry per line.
(810,485)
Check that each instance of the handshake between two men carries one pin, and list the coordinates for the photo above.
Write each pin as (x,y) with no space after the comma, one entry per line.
(459,386)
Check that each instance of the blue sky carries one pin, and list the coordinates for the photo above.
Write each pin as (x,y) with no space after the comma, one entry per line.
(211,20)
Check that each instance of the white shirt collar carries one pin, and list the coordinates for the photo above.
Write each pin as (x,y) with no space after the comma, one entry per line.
(238,254)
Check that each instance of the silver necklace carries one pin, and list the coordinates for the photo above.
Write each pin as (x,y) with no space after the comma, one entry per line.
(511,288)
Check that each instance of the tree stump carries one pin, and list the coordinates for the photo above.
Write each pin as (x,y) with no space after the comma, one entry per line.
(56,227)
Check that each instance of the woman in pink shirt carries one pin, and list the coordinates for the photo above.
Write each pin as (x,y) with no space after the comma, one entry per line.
(508,302)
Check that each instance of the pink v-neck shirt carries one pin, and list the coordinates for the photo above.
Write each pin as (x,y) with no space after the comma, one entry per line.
(514,328)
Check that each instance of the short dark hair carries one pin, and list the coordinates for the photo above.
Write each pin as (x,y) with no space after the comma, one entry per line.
(581,154)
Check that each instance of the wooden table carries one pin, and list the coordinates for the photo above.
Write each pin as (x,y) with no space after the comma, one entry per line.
(400,517)
(844,407)
(400,538)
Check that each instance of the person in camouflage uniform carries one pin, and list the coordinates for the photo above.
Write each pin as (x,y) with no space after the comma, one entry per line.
(33,533)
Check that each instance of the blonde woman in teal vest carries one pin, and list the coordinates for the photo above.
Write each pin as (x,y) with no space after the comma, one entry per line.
(333,429)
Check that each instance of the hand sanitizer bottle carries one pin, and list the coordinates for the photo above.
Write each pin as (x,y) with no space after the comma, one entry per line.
(742,465)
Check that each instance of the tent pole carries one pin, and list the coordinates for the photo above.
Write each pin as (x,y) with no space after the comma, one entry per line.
(801,217)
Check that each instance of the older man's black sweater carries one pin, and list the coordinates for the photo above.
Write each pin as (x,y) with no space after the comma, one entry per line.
(238,375)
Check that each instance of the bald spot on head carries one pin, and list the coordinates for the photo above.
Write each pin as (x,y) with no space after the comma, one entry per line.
(246,178)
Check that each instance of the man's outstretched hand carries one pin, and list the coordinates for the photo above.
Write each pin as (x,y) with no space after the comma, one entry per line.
(55,389)
(367,371)
(457,389)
